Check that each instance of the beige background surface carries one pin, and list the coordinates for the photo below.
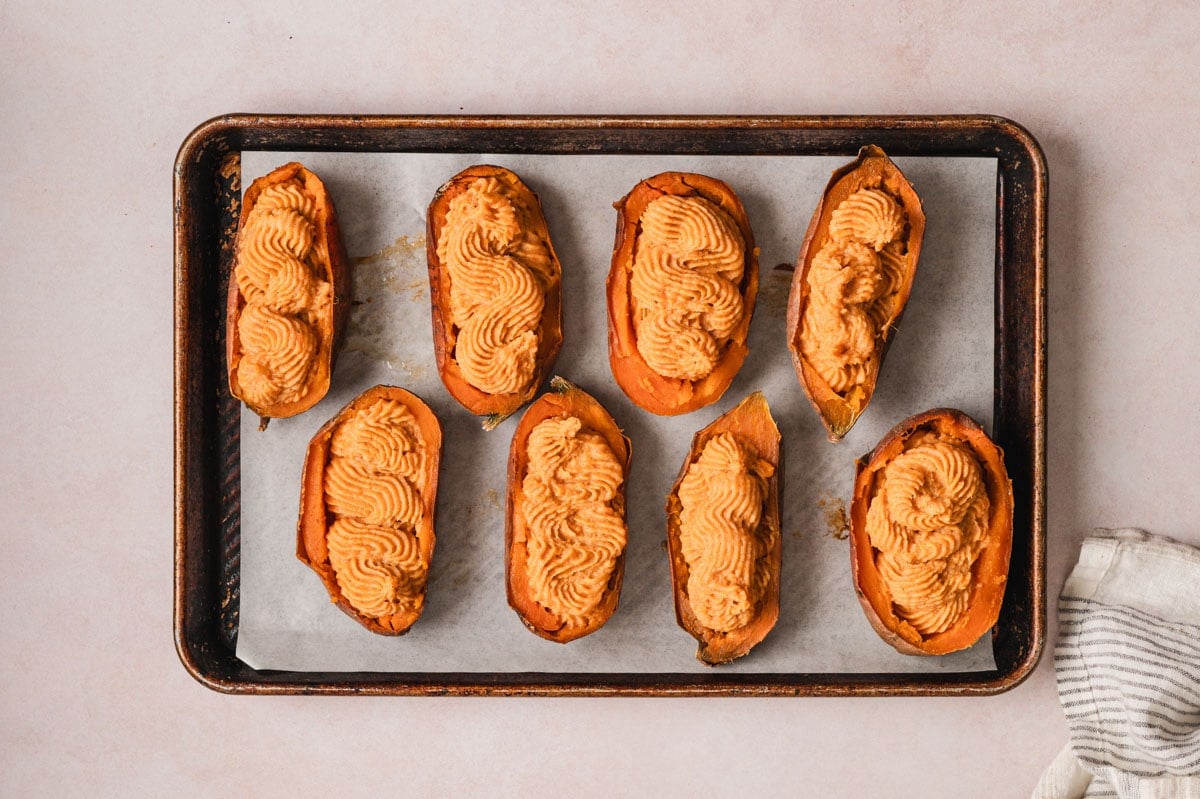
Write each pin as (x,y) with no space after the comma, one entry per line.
(94,101)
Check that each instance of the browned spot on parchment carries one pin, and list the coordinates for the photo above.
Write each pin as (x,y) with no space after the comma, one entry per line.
(493,498)
(773,289)
(403,246)
(837,522)
(396,270)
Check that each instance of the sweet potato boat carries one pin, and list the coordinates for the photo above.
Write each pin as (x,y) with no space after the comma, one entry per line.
(311,540)
(563,399)
(668,396)
(990,570)
(495,407)
(872,169)
(330,253)
(751,423)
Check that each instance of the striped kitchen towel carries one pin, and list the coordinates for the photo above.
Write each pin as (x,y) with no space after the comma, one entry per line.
(1128,664)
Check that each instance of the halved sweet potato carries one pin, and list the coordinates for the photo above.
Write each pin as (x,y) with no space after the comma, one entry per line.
(668,396)
(498,406)
(989,573)
(871,170)
(329,322)
(755,430)
(312,547)
(564,399)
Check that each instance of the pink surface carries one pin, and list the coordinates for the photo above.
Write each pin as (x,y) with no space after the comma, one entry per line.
(94,101)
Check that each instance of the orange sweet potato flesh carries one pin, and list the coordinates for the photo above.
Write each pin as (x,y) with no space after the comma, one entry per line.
(752,424)
(669,396)
(496,407)
(871,169)
(564,399)
(311,543)
(990,572)
(336,264)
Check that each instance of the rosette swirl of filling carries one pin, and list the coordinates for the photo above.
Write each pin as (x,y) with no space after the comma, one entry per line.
(499,269)
(852,285)
(373,486)
(722,498)
(575,535)
(928,521)
(277,274)
(687,267)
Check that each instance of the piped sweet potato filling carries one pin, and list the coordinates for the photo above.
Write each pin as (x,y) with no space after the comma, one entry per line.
(286,295)
(499,270)
(722,498)
(928,524)
(853,283)
(373,494)
(575,536)
(687,269)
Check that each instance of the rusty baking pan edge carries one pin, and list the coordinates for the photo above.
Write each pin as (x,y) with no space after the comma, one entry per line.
(207,171)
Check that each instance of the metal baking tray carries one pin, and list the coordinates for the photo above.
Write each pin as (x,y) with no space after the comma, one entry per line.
(207,452)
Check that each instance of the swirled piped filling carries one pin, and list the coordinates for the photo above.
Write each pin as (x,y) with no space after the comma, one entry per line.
(853,282)
(499,271)
(374,482)
(687,268)
(280,279)
(575,535)
(928,522)
(721,533)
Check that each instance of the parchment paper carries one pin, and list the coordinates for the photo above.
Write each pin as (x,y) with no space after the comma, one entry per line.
(942,356)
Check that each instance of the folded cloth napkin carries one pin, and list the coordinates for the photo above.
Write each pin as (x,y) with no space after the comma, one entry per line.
(1128,664)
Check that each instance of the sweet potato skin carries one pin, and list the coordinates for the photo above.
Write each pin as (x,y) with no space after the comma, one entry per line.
(872,167)
(495,407)
(337,272)
(313,526)
(563,399)
(753,425)
(651,391)
(990,571)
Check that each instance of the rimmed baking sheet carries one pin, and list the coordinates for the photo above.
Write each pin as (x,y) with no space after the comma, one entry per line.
(249,618)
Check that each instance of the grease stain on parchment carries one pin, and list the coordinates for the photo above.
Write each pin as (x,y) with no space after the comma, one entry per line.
(493,498)
(837,523)
(774,288)
(389,281)
(486,503)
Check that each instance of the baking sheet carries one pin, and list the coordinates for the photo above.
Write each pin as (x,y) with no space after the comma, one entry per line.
(942,356)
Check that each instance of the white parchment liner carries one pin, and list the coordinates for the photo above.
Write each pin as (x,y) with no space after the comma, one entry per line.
(942,356)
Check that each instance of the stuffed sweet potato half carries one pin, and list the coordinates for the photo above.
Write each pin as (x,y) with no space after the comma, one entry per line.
(564,533)
(853,278)
(681,292)
(931,533)
(289,294)
(367,501)
(723,534)
(495,290)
